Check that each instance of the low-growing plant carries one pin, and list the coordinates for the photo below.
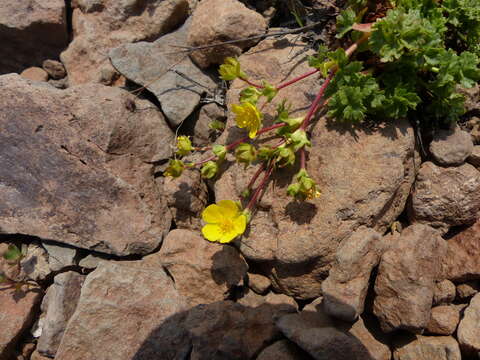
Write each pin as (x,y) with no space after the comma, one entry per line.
(408,62)
(13,257)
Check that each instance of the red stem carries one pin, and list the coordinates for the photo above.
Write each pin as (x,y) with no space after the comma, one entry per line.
(301,77)
(261,131)
(252,83)
(260,188)
(255,177)
(317,100)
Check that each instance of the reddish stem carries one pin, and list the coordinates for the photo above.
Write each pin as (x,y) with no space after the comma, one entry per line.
(260,188)
(255,177)
(301,77)
(261,131)
(252,83)
(317,101)
(302,158)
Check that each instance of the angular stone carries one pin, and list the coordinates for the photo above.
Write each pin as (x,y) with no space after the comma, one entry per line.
(203,272)
(60,256)
(30,32)
(405,284)
(55,69)
(17,311)
(468,333)
(203,134)
(365,178)
(467,290)
(165,73)
(34,74)
(474,158)
(58,306)
(283,350)
(444,292)
(445,197)
(119,22)
(444,320)
(285,303)
(451,147)
(186,197)
(78,168)
(121,304)
(91,261)
(258,283)
(427,348)
(345,288)
(34,265)
(371,338)
(461,262)
(215,21)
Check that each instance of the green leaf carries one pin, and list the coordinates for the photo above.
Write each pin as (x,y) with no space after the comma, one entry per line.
(269,91)
(13,253)
(299,139)
(250,94)
(245,154)
(220,151)
(230,69)
(284,156)
(345,21)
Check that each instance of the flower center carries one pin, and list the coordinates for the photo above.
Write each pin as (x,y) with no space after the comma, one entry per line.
(226,225)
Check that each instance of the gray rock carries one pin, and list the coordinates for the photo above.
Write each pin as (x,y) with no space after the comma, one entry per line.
(34,265)
(30,32)
(451,147)
(60,256)
(203,134)
(445,197)
(78,168)
(58,306)
(468,333)
(283,350)
(91,261)
(406,279)
(426,348)
(474,157)
(345,288)
(153,65)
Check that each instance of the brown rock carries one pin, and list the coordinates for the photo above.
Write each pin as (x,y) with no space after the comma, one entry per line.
(461,260)
(120,305)
(468,333)
(30,32)
(55,69)
(37,356)
(445,197)
(405,284)
(283,350)
(283,302)
(372,339)
(365,178)
(258,283)
(203,271)
(34,74)
(186,197)
(444,320)
(17,311)
(78,168)
(215,21)
(427,348)
(345,288)
(58,306)
(444,292)
(467,290)
(119,22)
(474,158)
(451,147)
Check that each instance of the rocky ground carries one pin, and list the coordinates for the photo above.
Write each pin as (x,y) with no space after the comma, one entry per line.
(384,265)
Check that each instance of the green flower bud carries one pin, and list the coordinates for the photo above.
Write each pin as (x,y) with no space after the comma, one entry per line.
(184,145)
(175,168)
(293,189)
(230,70)
(250,94)
(299,139)
(306,188)
(265,152)
(209,170)
(246,193)
(245,153)
(269,91)
(220,151)
(284,156)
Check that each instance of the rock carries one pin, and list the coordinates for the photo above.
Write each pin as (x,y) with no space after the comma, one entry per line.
(37,356)
(222,330)
(427,348)
(119,22)
(283,350)
(78,168)
(58,306)
(467,290)
(59,84)
(30,32)
(60,256)
(468,332)
(91,261)
(203,272)
(34,74)
(345,288)
(405,284)
(371,338)
(258,283)
(461,263)
(474,158)
(17,312)
(165,74)
(186,197)
(444,320)
(365,178)
(215,21)
(55,69)
(203,134)
(444,292)
(34,265)
(121,303)
(284,303)
(445,197)
(451,147)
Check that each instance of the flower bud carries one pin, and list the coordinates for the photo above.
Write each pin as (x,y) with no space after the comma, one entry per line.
(184,145)
(209,170)
(220,151)
(245,153)
(175,168)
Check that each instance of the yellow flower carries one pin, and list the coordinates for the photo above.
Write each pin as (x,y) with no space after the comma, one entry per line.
(248,117)
(225,221)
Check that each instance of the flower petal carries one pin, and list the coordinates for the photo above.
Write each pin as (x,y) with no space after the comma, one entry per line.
(212,214)
(240,224)
(228,236)
(228,208)
(212,232)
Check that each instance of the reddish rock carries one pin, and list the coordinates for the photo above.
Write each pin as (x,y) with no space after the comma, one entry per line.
(474,158)
(284,302)
(34,74)
(258,283)
(215,21)
(468,332)
(405,284)
(444,320)
(55,69)
(283,350)
(444,292)
(426,348)
(467,290)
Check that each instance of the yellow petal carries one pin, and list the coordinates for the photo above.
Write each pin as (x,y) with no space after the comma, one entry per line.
(228,236)
(240,223)
(212,232)
(212,214)
(228,208)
